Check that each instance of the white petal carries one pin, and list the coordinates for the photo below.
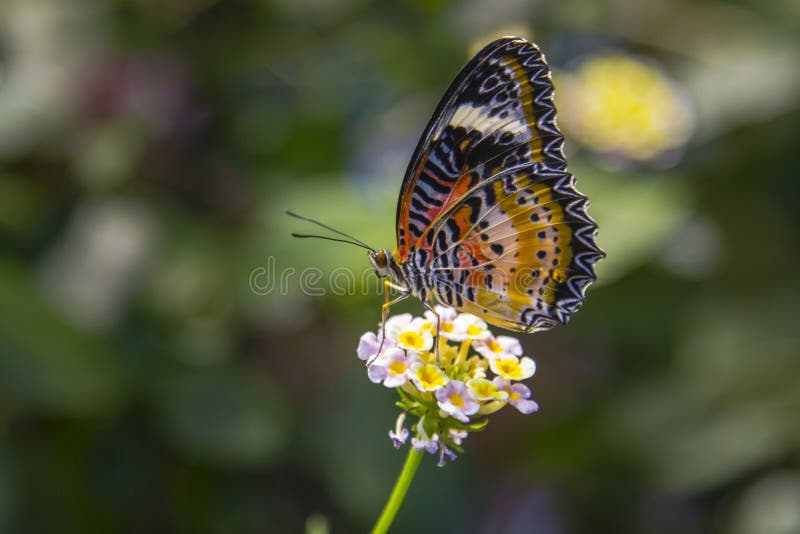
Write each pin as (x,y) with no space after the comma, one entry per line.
(367,346)
(483,349)
(510,345)
(376,373)
(528,367)
(395,325)
(526,406)
(393,353)
(454,335)
(427,341)
(446,313)
(393,381)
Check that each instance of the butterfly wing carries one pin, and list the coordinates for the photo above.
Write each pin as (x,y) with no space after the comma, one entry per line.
(497,113)
(518,250)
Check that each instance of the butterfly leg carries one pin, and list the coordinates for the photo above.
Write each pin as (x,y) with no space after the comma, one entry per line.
(405,293)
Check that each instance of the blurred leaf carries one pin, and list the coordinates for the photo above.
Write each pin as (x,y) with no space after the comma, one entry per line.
(224,418)
(23,207)
(730,402)
(46,365)
(636,215)
(8,486)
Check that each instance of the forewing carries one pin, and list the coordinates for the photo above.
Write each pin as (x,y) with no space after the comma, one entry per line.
(497,113)
(518,250)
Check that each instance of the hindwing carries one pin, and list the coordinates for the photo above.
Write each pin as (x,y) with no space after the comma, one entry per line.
(517,250)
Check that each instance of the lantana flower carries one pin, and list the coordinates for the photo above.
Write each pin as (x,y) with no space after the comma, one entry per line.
(499,346)
(450,372)
(422,441)
(409,333)
(368,346)
(445,319)
(474,327)
(428,377)
(391,367)
(518,395)
(513,368)
(483,389)
(399,435)
(456,400)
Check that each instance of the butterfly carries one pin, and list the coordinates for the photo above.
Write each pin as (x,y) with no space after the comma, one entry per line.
(488,219)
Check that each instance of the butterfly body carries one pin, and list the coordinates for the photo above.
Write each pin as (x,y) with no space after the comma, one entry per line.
(488,219)
(414,276)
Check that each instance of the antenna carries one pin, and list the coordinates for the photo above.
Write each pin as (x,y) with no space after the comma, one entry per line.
(350,239)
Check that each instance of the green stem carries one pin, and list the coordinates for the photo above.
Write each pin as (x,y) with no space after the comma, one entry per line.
(398,493)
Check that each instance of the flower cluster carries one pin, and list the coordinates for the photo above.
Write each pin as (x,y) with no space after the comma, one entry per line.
(440,365)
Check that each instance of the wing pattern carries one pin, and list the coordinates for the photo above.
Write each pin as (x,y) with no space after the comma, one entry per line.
(498,113)
(489,220)
(517,250)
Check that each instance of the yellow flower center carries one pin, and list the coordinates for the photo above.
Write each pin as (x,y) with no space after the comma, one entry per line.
(514,396)
(446,327)
(411,339)
(486,390)
(474,330)
(509,368)
(494,346)
(430,377)
(481,389)
(397,367)
(457,400)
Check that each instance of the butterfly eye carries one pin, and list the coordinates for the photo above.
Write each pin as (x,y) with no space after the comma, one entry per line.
(380,260)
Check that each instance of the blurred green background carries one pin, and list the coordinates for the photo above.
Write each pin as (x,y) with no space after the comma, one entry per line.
(152,379)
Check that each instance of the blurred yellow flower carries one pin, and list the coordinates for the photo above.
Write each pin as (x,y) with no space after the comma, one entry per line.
(620,105)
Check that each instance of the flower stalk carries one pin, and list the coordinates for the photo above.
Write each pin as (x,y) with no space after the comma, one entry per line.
(398,492)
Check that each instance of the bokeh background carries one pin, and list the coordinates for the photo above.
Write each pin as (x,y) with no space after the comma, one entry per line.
(158,375)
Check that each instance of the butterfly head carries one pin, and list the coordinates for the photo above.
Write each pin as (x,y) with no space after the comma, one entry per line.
(385,264)
(380,262)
